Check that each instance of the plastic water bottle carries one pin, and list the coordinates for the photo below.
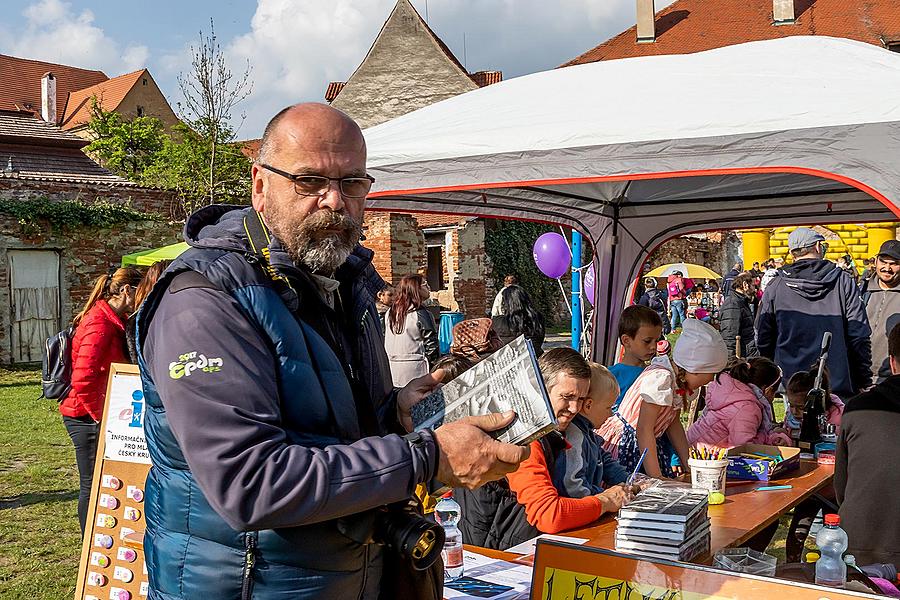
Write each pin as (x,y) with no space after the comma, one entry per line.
(831,570)
(447,513)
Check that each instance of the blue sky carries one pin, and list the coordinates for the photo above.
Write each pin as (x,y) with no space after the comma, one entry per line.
(295,47)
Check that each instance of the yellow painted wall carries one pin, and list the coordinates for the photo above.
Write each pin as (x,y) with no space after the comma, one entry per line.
(859,241)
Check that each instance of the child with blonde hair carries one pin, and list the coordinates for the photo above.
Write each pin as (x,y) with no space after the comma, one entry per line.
(584,468)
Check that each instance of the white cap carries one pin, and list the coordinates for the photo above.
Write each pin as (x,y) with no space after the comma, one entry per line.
(700,348)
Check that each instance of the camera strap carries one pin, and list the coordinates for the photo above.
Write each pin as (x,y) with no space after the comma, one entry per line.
(259,239)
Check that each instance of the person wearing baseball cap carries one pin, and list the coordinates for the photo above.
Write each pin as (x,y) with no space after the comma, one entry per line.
(881,295)
(810,297)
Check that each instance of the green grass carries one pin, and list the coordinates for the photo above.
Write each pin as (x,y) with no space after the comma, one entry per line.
(40,541)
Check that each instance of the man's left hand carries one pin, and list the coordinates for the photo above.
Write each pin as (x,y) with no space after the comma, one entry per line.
(413,393)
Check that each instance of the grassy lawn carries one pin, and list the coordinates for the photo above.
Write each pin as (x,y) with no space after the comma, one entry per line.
(39,535)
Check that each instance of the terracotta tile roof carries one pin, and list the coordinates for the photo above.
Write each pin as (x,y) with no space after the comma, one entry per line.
(485,78)
(250,148)
(334,88)
(110,93)
(437,220)
(21,79)
(688,26)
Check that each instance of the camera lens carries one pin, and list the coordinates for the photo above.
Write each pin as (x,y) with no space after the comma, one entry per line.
(412,536)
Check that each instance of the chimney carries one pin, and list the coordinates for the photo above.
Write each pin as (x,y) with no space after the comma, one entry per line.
(48,98)
(646,21)
(783,11)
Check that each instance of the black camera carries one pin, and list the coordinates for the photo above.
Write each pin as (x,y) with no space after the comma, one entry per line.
(399,527)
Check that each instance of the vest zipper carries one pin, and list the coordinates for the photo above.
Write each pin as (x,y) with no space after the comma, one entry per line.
(362,589)
(249,563)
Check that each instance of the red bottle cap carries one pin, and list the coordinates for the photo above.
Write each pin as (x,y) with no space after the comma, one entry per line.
(448,495)
(833,520)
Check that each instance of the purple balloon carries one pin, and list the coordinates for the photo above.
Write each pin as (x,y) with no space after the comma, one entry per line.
(590,280)
(551,255)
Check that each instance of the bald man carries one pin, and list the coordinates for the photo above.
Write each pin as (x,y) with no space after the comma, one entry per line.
(275,435)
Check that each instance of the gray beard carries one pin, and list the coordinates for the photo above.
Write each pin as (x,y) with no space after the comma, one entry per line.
(323,256)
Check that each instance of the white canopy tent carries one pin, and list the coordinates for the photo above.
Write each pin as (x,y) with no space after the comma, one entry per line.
(633,152)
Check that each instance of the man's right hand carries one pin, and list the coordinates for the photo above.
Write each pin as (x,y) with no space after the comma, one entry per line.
(469,457)
(615,497)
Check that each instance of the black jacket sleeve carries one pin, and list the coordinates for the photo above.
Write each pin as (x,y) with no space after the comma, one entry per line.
(228,424)
(429,336)
(859,336)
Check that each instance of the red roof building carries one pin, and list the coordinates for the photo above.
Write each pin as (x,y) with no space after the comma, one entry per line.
(688,26)
(21,77)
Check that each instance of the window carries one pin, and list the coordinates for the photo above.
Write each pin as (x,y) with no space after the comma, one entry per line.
(144,82)
(434,270)
(140,111)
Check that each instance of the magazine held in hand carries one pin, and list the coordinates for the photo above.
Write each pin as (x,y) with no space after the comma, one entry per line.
(508,379)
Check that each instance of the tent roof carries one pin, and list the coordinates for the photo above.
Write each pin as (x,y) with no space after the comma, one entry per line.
(635,151)
(145,258)
(776,85)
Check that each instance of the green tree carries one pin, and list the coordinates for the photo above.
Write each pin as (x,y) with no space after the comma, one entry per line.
(211,92)
(508,244)
(124,146)
(183,159)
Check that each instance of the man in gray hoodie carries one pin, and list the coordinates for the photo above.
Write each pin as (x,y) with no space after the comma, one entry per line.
(881,295)
(810,297)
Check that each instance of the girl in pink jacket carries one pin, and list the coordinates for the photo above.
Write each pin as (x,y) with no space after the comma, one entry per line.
(739,407)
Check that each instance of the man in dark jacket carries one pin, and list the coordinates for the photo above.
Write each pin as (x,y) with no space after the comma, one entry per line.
(736,317)
(813,296)
(728,280)
(866,477)
(275,436)
(881,295)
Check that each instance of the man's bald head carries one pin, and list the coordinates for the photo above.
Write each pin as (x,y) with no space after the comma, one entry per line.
(306,123)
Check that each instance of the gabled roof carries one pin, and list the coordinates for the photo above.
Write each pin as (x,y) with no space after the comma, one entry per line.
(21,82)
(689,26)
(109,93)
(481,78)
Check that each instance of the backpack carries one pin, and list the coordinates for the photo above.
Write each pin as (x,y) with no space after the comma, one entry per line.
(56,365)
(475,339)
(674,290)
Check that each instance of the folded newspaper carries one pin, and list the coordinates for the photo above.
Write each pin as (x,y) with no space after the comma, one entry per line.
(508,379)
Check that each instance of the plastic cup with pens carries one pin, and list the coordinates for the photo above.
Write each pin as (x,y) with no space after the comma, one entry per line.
(708,471)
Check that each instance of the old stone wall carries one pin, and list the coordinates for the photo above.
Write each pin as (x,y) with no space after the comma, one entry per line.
(715,250)
(405,70)
(85,254)
(157,201)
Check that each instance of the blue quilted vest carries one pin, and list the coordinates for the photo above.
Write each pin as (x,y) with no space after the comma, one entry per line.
(191,552)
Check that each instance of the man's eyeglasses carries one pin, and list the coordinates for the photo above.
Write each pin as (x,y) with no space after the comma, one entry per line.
(318,185)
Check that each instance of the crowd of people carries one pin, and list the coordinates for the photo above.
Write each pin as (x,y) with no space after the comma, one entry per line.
(274,472)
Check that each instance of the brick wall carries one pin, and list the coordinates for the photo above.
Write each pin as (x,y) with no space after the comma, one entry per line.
(398,244)
(145,199)
(85,254)
(472,270)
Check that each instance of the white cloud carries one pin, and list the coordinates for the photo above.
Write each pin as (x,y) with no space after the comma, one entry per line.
(297,46)
(54,32)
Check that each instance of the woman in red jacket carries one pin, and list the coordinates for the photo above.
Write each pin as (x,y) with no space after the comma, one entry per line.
(99,340)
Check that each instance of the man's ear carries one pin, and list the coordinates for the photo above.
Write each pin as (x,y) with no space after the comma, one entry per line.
(257,192)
